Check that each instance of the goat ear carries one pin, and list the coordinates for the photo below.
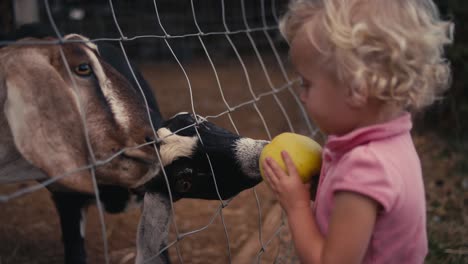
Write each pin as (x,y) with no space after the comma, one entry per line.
(42,114)
(153,228)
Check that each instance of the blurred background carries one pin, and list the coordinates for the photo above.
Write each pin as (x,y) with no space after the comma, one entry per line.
(201,34)
(139,19)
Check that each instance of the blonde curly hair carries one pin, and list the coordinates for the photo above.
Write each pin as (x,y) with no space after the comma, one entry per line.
(392,50)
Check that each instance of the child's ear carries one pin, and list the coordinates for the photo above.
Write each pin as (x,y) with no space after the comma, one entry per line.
(357,98)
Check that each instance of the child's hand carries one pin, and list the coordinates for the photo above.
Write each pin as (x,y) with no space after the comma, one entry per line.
(288,187)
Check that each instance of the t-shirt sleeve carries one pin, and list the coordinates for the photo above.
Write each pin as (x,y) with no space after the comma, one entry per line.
(361,171)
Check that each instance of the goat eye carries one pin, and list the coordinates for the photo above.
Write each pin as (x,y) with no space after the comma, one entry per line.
(84,69)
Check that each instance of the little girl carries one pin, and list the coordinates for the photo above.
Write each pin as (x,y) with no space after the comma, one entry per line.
(364,65)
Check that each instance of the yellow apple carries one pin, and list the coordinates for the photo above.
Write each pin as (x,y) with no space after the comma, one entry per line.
(304,151)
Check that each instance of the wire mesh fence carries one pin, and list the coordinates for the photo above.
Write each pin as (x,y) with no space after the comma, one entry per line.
(221,60)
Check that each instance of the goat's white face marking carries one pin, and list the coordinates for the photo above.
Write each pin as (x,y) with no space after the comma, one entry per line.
(199,117)
(117,106)
(175,146)
(87,42)
(247,153)
(180,113)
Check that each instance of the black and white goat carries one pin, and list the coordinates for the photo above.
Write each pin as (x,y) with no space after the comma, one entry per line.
(42,136)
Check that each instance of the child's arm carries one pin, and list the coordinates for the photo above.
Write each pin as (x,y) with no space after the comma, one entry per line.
(350,227)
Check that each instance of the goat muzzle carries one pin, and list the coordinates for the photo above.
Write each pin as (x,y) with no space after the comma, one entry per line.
(145,156)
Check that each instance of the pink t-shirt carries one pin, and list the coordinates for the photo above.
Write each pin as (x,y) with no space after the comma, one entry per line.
(380,162)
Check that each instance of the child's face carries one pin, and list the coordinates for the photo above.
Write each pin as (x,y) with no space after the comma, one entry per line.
(324,98)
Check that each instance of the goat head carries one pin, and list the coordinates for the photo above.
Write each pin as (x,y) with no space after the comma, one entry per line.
(57,100)
(205,161)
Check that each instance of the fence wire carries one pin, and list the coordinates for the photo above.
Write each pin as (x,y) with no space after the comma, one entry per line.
(286,256)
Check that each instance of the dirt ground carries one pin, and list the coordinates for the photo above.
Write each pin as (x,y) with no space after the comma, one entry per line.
(29,227)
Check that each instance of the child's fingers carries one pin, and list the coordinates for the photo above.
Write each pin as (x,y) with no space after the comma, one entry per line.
(276,169)
(289,163)
(268,171)
(270,176)
(267,175)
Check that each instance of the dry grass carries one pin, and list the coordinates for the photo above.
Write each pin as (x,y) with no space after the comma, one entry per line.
(446,176)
